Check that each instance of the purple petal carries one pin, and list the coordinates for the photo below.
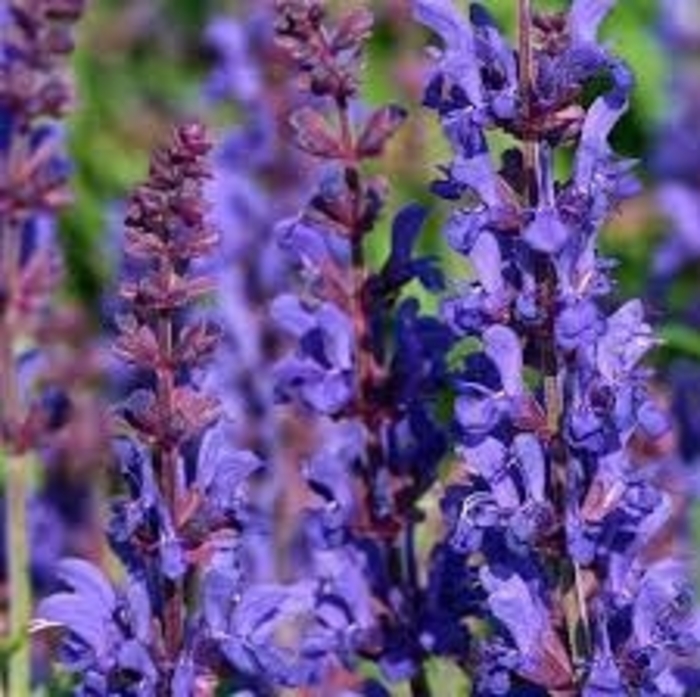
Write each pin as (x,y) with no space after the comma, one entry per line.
(221,468)
(515,605)
(530,456)
(585,18)
(488,263)
(681,205)
(593,147)
(547,233)
(288,312)
(488,459)
(502,346)
(459,60)
(627,338)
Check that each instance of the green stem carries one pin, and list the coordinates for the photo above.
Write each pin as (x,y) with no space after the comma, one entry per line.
(17,485)
(17,472)
(420,687)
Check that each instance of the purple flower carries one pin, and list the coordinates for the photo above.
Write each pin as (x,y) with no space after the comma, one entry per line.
(236,73)
(108,635)
(222,470)
(294,634)
(366,354)
(456,63)
(542,657)
(586,17)
(322,373)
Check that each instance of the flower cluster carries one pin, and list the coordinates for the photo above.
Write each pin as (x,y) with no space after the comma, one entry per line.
(493,488)
(257,179)
(675,161)
(552,509)
(33,186)
(185,504)
(48,408)
(674,164)
(367,364)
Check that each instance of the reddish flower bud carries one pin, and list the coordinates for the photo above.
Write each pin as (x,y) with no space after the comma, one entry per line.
(379,129)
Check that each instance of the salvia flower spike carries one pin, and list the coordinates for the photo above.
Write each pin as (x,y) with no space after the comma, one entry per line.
(557,515)
(493,488)
(373,398)
(184,482)
(35,42)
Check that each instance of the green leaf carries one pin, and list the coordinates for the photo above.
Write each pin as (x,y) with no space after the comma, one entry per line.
(682,339)
(445,678)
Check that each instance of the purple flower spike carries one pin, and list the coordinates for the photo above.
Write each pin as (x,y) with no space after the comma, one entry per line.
(186,483)
(549,501)
(367,358)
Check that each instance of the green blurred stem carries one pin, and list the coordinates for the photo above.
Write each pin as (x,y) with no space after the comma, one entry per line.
(17,484)
(16,470)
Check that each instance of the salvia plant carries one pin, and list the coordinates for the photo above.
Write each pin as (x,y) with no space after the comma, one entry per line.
(557,508)
(258,179)
(182,505)
(317,483)
(368,362)
(674,165)
(35,95)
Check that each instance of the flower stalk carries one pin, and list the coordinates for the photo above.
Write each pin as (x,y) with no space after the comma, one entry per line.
(342,214)
(34,95)
(554,374)
(550,481)
(17,473)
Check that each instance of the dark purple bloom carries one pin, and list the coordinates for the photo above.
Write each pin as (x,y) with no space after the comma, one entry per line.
(366,354)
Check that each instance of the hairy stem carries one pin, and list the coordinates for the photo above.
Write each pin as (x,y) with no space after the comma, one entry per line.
(526,78)
(366,406)
(360,315)
(166,468)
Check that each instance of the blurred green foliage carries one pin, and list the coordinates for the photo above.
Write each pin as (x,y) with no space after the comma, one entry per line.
(138,68)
